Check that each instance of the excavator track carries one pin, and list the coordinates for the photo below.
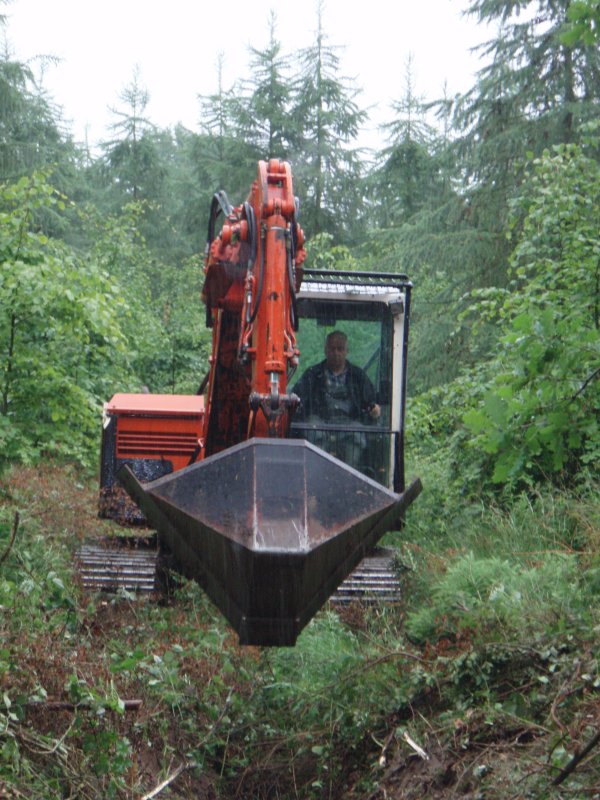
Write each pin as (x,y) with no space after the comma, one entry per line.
(130,564)
(126,563)
(375,580)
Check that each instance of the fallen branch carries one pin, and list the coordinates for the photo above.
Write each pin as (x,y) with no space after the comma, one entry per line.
(158,789)
(60,705)
(579,756)
(13,536)
(417,748)
(384,747)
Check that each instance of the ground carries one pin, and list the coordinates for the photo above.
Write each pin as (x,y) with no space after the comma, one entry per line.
(111,696)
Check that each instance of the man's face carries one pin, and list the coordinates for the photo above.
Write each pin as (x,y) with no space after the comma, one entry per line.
(336,350)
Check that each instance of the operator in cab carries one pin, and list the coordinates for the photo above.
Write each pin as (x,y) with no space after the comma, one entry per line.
(335,390)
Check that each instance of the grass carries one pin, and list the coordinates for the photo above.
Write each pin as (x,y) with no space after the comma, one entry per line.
(490,666)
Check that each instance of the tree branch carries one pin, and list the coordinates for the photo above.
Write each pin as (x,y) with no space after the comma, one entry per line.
(158,789)
(595,374)
(564,773)
(13,536)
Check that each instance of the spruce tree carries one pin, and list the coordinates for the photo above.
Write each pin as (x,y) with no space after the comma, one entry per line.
(327,167)
(136,167)
(131,157)
(263,119)
(407,176)
(222,160)
(534,92)
(30,127)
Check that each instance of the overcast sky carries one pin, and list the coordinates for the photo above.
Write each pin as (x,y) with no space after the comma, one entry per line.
(176,44)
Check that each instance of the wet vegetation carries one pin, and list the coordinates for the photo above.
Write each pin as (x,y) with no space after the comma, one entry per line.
(483,682)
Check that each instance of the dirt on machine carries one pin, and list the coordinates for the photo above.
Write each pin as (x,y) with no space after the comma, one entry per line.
(268,508)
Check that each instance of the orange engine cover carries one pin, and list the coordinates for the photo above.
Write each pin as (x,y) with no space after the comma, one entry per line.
(156,434)
(160,426)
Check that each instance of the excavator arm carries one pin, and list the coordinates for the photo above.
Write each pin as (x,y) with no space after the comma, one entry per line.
(253,270)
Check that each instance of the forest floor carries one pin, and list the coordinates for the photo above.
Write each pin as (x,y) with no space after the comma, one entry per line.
(116,697)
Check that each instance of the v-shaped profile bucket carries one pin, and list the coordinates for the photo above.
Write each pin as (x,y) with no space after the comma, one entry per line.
(269,528)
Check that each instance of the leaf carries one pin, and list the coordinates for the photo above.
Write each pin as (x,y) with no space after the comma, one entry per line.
(508,466)
(129,662)
(522,322)
(497,408)
(476,420)
(545,323)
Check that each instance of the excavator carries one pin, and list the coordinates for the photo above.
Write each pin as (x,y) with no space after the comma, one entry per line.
(267,509)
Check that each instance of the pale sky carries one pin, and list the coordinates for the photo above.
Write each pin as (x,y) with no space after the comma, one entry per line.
(175,45)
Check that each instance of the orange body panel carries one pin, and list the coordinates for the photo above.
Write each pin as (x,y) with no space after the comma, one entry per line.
(156,404)
(156,426)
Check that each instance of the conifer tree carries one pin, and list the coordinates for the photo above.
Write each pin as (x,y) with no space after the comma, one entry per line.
(407,175)
(30,130)
(327,168)
(263,119)
(132,156)
(222,160)
(535,91)
(135,167)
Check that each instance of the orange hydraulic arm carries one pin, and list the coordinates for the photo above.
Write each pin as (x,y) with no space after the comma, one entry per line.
(253,270)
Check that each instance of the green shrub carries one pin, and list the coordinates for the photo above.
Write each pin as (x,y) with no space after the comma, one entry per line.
(493,596)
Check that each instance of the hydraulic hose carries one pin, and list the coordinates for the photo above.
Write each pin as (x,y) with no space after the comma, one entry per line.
(261,277)
(252,238)
(293,304)
(220,203)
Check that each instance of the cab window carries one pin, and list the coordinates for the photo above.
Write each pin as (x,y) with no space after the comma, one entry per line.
(337,411)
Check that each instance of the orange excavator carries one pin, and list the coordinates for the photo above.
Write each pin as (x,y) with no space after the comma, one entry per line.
(267,509)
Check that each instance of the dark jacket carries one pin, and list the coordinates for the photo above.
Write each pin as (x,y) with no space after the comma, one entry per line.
(312,390)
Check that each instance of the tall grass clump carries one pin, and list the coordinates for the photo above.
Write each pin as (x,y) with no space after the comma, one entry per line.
(526,569)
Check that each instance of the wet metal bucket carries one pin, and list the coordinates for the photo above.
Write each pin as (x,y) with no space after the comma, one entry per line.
(269,528)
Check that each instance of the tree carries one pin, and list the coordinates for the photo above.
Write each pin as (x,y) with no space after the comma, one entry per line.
(30,134)
(131,158)
(263,118)
(221,159)
(407,175)
(161,319)
(186,342)
(583,23)
(327,170)
(540,411)
(58,334)
(536,91)
(143,164)
(185,198)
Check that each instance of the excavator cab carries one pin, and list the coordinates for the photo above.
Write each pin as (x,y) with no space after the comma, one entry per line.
(371,310)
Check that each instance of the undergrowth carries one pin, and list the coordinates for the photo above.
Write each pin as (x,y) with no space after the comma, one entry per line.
(489,668)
